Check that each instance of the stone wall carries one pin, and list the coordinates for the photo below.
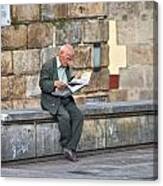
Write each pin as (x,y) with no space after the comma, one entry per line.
(37,31)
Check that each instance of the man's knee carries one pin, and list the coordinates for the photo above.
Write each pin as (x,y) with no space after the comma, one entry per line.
(65,117)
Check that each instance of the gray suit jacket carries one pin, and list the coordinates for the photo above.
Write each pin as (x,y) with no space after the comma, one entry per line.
(48,75)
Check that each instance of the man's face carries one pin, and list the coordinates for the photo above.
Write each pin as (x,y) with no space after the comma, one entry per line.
(67,59)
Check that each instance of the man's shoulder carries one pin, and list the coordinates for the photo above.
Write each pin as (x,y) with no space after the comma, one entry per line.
(49,63)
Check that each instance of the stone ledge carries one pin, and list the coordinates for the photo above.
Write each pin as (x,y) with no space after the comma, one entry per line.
(89,109)
(33,133)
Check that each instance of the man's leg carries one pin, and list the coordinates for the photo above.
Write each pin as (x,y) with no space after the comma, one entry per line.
(64,126)
(76,124)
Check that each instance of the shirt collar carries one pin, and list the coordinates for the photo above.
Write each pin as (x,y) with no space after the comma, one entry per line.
(58,63)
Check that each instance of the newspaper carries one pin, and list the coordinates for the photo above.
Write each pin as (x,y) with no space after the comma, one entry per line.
(74,85)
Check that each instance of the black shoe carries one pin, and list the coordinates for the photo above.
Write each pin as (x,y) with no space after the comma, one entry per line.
(75,155)
(69,155)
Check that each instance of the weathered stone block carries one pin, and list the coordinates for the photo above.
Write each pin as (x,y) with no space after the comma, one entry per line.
(98,96)
(146,94)
(14,37)
(143,78)
(6,105)
(83,57)
(68,32)
(88,137)
(127,32)
(85,9)
(136,31)
(147,131)
(117,95)
(6,87)
(47,139)
(32,89)
(104,55)
(40,35)
(145,31)
(112,133)
(140,54)
(152,125)
(95,31)
(133,94)
(98,81)
(25,13)
(18,86)
(130,130)
(103,79)
(18,142)
(150,77)
(26,103)
(135,129)
(26,61)
(123,10)
(132,77)
(48,53)
(6,63)
(51,11)
(150,5)
(100,133)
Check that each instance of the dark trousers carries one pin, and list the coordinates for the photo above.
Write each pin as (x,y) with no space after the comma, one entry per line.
(70,121)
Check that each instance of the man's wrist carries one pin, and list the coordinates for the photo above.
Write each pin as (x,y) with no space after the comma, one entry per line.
(55,86)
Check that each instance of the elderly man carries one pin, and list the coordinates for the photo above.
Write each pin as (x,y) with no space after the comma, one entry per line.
(54,76)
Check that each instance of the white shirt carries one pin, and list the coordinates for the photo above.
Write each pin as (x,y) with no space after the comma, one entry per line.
(61,71)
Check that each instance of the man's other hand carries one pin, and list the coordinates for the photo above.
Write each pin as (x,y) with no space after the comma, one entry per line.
(77,75)
(59,85)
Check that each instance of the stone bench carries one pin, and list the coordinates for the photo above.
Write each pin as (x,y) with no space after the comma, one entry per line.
(34,133)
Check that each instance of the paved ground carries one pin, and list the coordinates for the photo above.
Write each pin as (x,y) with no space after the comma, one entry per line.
(133,164)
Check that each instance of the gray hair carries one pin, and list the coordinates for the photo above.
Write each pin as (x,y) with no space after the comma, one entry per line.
(66,47)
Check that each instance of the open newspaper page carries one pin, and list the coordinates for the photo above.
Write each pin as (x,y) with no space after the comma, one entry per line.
(74,85)
(77,84)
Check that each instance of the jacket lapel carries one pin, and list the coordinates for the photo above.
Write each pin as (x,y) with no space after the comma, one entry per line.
(55,72)
(68,73)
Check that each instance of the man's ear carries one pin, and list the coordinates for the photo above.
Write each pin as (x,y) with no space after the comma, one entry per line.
(60,53)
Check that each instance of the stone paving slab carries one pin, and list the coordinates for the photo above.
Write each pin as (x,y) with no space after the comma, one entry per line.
(129,164)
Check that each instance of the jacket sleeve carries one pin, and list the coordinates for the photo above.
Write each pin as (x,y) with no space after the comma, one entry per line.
(46,82)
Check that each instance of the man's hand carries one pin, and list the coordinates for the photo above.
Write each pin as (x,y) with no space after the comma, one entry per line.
(59,85)
(77,75)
